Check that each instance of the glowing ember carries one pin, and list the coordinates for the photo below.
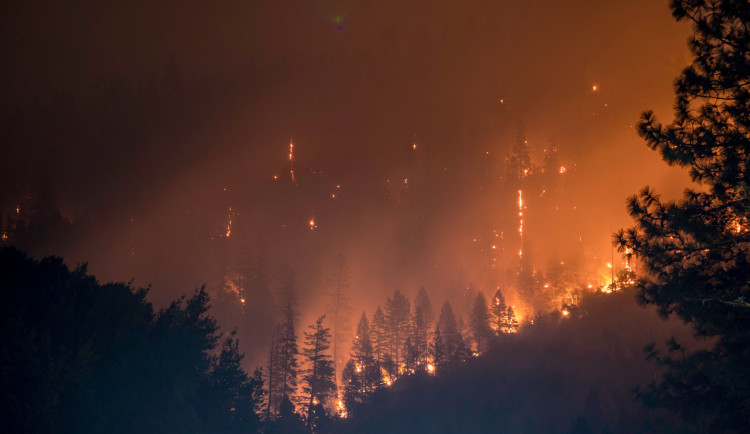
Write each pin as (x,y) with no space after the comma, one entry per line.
(229,223)
(311,224)
(565,312)
(562,170)
(431,368)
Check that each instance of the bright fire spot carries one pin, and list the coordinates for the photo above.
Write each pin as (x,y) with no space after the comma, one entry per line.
(406,180)
(4,236)
(229,223)
(431,368)
(494,247)
(609,265)
(565,312)
(414,146)
(312,224)
(595,88)
(242,300)
(315,401)
(562,169)
(333,195)
(275,177)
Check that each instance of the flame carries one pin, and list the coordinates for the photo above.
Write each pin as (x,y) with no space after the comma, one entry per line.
(430,368)
(229,223)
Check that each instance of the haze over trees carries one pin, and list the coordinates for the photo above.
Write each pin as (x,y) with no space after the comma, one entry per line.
(472,297)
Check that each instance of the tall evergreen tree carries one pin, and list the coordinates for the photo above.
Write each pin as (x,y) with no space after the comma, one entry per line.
(451,338)
(420,338)
(319,377)
(397,311)
(380,343)
(423,303)
(498,311)
(367,368)
(480,323)
(696,251)
(287,348)
(339,307)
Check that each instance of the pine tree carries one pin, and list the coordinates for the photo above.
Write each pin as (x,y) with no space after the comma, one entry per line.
(437,351)
(420,338)
(423,303)
(480,323)
(397,310)
(696,251)
(511,321)
(379,335)
(498,311)
(352,385)
(339,306)
(287,344)
(410,356)
(451,338)
(319,377)
(367,368)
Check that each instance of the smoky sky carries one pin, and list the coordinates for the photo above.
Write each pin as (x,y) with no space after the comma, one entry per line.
(144,122)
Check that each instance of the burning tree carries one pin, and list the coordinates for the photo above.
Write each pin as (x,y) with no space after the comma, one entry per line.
(696,251)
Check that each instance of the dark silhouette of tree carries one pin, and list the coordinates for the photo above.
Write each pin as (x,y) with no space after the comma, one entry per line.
(437,351)
(287,421)
(397,312)
(353,396)
(274,390)
(480,323)
(452,342)
(379,335)
(423,303)
(419,338)
(498,311)
(339,307)
(366,367)
(319,378)
(86,357)
(235,398)
(287,349)
(696,251)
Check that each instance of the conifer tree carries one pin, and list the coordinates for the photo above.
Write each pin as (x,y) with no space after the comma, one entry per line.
(319,377)
(423,303)
(451,338)
(352,385)
(498,311)
(339,307)
(397,310)
(420,338)
(480,323)
(379,335)
(696,251)
(366,366)
(287,348)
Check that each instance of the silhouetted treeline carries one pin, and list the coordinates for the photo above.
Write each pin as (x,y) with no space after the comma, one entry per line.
(80,356)
(563,374)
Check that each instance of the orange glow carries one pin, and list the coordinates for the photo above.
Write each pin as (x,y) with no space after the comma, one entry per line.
(311,224)
(562,170)
(431,368)
(565,312)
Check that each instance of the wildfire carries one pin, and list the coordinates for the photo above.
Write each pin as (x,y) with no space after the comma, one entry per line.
(562,170)
(229,223)
(565,312)
(430,368)
(340,409)
(311,224)
(291,161)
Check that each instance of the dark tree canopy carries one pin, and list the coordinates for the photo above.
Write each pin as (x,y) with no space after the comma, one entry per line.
(697,250)
(79,356)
